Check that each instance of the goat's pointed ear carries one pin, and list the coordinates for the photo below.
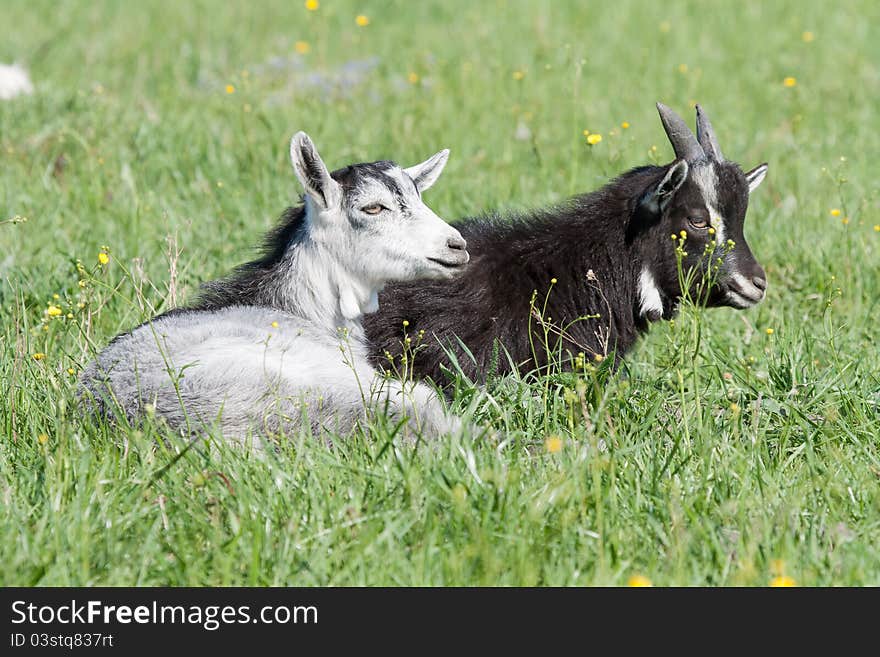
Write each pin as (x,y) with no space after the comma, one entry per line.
(756,176)
(425,174)
(657,198)
(313,173)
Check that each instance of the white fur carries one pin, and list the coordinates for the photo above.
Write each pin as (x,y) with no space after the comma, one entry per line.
(707,180)
(756,176)
(14,81)
(650,301)
(279,366)
(336,274)
(250,368)
(425,174)
(743,293)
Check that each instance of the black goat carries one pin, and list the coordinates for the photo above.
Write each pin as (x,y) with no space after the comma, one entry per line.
(605,263)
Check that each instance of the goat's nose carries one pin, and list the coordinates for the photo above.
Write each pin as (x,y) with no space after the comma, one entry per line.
(759,282)
(456,243)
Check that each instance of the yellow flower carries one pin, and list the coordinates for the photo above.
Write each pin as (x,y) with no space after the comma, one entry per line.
(789,82)
(312,5)
(71,371)
(808,37)
(845,221)
(598,358)
(362,21)
(674,236)
(711,230)
(230,89)
(877,228)
(103,258)
(769,331)
(594,139)
(39,355)
(638,581)
(552,281)
(405,323)
(43,439)
(274,324)
(518,75)
(56,296)
(835,212)
(682,68)
(302,47)
(53,311)
(782,581)
(553,444)
(624,125)
(683,234)
(734,408)
(413,77)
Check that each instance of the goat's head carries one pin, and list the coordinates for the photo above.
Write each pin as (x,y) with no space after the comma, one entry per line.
(371,218)
(703,198)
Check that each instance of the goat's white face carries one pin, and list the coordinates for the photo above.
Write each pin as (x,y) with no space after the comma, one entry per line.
(372,219)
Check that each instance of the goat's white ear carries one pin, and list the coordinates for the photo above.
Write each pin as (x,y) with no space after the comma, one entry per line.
(756,176)
(313,173)
(425,174)
(657,198)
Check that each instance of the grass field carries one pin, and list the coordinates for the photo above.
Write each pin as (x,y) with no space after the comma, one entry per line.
(740,448)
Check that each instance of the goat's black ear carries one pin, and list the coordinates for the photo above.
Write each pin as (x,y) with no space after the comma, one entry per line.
(425,174)
(657,198)
(313,173)
(756,176)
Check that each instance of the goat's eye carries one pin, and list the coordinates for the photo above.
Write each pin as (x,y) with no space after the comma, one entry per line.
(698,222)
(375,208)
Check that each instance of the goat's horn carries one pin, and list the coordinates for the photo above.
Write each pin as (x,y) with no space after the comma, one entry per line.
(680,136)
(706,136)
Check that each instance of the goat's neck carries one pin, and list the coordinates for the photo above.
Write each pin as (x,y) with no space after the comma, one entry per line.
(608,268)
(317,287)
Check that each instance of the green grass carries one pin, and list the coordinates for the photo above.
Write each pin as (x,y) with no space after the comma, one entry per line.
(722,451)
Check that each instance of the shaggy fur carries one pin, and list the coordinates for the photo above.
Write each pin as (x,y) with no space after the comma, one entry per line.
(613,261)
(279,344)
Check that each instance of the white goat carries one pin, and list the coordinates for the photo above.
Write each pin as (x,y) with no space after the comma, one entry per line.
(296,353)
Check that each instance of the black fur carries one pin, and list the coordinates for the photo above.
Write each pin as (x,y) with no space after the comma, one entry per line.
(612,233)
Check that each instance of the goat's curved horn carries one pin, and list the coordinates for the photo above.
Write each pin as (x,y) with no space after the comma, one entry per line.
(680,136)
(706,136)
